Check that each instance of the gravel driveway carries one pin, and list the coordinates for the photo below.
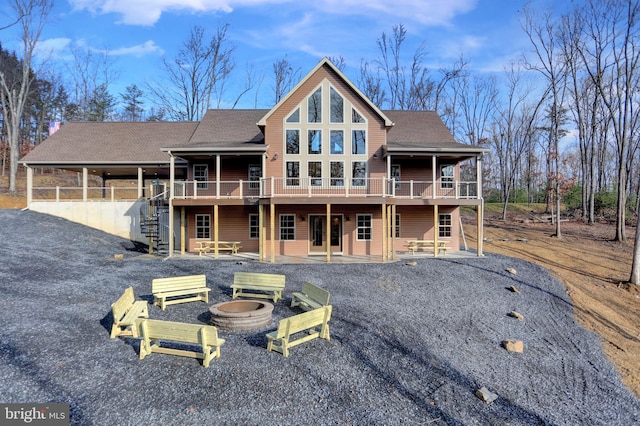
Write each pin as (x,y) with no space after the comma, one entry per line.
(409,344)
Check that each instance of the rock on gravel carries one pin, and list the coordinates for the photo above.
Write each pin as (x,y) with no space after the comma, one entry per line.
(408,345)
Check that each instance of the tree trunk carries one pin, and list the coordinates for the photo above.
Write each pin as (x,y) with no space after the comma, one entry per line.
(635,266)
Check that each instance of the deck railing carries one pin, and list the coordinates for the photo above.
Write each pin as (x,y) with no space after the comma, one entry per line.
(325,187)
(75,193)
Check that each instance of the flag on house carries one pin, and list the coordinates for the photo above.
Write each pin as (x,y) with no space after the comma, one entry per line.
(54,126)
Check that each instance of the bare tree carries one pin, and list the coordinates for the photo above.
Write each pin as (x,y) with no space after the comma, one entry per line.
(370,83)
(285,76)
(90,71)
(31,16)
(548,60)
(196,77)
(610,55)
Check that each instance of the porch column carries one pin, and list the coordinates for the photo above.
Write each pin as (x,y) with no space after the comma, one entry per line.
(385,230)
(85,183)
(393,231)
(436,227)
(480,215)
(140,182)
(262,233)
(433,175)
(328,237)
(29,185)
(217,176)
(172,178)
(183,229)
(216,237)
(272,232)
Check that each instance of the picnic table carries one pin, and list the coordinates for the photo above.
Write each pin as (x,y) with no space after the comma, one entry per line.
(206,246)
(415,245)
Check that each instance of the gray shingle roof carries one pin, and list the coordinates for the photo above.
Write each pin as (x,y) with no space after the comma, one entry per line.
(111,142)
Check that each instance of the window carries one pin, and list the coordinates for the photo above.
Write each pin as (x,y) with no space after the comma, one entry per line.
(446,176)
(315,141)
(293,173)
(356,117)
(287,227)
(201,174)
(359,173)
(203,226)
(358,142)
(337,107)
(337,142)
(337,173)
(255,174)
(395,174)
(444,225)
(254,226)
(293,141)
(315,172)
(294,117)
(314,106)
(363,227)
(397,233)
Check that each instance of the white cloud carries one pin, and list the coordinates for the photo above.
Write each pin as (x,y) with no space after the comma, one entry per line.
(148,12)
(52,47)
(427,12)
(138,50)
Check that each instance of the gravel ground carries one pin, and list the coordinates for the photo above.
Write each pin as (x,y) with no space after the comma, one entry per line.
(409,344)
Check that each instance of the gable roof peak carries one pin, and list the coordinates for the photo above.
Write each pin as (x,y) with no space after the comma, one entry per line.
(327,62)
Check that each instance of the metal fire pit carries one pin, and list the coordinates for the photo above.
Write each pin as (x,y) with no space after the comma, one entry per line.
(238,315)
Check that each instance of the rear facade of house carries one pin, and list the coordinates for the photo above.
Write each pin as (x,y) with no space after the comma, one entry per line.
(323,173)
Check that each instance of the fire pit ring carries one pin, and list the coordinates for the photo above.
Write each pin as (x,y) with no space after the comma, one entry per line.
(238,315)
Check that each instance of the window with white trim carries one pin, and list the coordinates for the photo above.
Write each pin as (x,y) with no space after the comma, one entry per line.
(294,117)
(395,174)
(358,142)
(314,142)
(446,176)
(203,226)
(337,106)
(315,172)
(287,227)
(254,226)
(314,107)
(201,174)
(337,142)
(359,173)
(363,227)
(337,173)
(255,174)
(293,173)
(293,141)
(444,225)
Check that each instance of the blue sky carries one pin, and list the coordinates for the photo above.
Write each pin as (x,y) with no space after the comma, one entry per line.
(137,34)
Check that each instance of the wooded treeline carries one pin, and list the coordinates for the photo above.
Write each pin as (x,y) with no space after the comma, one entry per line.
(561,123)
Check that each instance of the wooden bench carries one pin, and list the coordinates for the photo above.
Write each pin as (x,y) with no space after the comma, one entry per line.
(210,246)
(125,311)
(271,284)
(283,338)
(415,245)
(311,297)
(169,291)
(204,336)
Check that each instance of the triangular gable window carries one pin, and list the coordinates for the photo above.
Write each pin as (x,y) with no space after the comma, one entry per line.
(356,117)
(294,117)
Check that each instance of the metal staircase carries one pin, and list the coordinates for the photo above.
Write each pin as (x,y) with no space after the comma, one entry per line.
(154,223)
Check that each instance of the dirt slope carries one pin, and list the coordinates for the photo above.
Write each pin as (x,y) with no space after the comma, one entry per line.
(592,267)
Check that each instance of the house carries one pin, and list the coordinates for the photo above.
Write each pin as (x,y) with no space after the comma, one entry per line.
(323,173)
